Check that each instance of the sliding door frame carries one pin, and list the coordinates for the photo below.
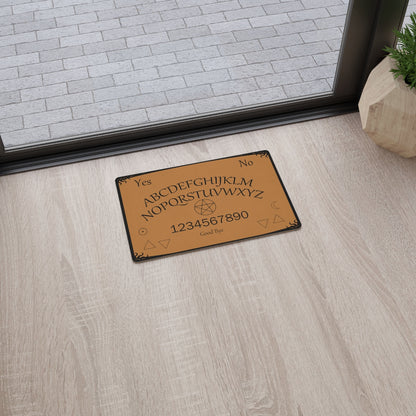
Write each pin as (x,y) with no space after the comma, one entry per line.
(368,28)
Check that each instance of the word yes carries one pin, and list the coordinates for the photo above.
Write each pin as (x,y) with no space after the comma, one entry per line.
(143,183)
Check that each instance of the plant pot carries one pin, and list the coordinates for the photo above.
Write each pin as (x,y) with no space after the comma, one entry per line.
(388,110)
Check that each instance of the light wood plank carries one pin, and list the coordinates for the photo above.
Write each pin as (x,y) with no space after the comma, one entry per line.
(319,321)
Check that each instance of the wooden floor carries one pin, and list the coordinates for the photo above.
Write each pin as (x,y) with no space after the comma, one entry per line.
(315,322)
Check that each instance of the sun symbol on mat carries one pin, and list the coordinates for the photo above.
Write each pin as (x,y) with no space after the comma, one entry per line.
(143,231)
(205,207)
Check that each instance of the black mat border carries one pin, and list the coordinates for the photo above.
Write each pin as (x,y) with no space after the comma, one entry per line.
(263,153)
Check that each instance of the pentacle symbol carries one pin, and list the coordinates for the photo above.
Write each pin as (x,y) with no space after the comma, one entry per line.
(143,231)
(205,207)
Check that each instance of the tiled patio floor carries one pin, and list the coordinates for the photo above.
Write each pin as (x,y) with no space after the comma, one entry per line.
(71,67)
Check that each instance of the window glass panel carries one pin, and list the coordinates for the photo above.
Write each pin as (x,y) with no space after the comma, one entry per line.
(411,8)
(79,68)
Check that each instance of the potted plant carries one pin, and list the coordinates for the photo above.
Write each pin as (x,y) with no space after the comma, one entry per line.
(388,102)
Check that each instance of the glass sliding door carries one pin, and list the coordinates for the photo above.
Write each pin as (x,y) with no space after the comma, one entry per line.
(411,8)
(100,73)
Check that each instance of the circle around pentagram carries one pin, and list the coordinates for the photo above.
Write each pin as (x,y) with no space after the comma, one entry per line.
(205,207)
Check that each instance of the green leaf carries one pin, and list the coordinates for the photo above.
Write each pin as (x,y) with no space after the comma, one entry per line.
(405,53)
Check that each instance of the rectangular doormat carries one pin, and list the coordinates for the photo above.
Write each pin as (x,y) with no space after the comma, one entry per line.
(204,204)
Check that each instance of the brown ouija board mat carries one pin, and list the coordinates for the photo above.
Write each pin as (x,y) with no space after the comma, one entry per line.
(203,204)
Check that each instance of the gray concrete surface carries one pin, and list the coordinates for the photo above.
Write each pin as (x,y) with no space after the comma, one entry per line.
(71,67)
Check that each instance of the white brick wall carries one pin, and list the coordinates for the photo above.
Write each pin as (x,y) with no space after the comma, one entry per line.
(32,94)
(15,61)
(105,46)
(269,55)
(57,33)
(171,111)
(54,54)
(125,119)
(42,68)
(159,85)
(223,62)
(36,25)
(37,46)
(197,54)
(46,118)
(262,96)
(180,69)
(131,53)
(82,61)
(90,84)
(16,18)
(173,46)
(230,26)
(115,13)
(76,19)
(12,97)
(308,49)
(27,136)
(146,39)
(69,100)
(96,109)
(16,39)
(273,20)
(320,35)
(110,68)
(22,108)
(51,13)
(189,94)
(239,47)
(210,40)
(105,94)
(64,76)
(307,88)
(181,13)
(143,101)
(81,39)
(251,70)
(154,61)
(319,72)
(208,77)
(70,67)
(222,102)
(74,128)
(20,83)
(11,124)
(230,87)
(94,7)
(136,76)
(275,80)
(7,50)
(205,19)
(31,7)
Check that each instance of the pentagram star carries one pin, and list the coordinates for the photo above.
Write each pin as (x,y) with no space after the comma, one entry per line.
(205,207)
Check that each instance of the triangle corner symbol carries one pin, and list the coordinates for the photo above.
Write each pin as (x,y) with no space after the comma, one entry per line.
(165,243)
(149,245)
(277,219)
(264,223)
